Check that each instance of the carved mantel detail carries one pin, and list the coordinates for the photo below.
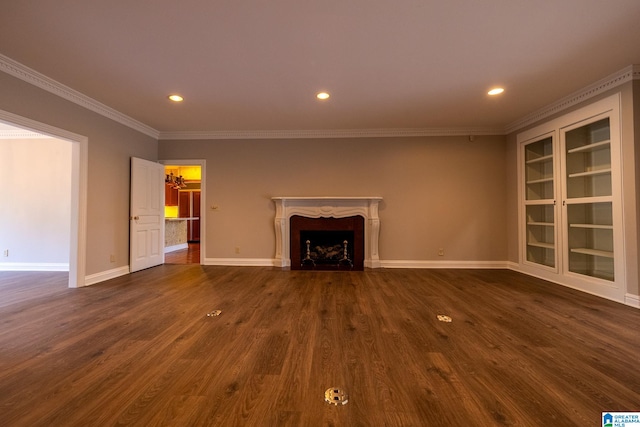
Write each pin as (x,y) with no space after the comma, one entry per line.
(326,207)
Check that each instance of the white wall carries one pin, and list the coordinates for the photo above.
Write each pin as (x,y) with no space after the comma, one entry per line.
(36,203)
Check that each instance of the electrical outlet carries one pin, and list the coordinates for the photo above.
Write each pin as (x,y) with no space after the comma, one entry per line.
(440,252)
(6,252)
(237,250)
(112,258)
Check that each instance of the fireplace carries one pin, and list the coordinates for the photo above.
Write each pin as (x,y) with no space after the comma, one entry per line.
(329,211)
(327,243)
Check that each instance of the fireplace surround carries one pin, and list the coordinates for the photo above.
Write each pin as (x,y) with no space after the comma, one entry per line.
(326,207)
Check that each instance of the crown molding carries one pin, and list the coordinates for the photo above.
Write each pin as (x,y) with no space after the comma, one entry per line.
(35,78)
(627,74)
(328,133)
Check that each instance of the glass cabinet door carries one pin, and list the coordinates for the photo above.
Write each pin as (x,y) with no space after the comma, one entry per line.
(589,213)
(540,217)
(570,194)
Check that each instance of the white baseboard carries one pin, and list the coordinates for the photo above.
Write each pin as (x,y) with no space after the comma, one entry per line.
(262,262)
(239,262)
(513,266)
(92,279)
(176,247)
(34,266)
(632,300)
(444,264)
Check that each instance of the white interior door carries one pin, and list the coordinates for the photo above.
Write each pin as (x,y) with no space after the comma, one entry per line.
(146,219)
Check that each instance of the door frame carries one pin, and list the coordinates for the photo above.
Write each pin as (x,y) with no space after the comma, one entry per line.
(79,161)
(203,197)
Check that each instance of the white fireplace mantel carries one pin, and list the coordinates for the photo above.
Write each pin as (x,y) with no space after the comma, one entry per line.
(326,207)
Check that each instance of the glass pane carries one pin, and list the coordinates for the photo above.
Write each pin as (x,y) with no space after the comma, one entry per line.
(589,186)
(591,239)
(588,160)
(539,170)
(591,133)
(589,265)
(541,234)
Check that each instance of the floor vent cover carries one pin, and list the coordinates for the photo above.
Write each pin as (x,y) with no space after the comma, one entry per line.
(336,396)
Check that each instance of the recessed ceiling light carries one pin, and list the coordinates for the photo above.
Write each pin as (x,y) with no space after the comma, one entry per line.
(495,91)
(322,95)
(176,98)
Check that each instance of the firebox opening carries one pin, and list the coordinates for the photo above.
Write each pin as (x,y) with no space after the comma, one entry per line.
(326,248)
(334,243)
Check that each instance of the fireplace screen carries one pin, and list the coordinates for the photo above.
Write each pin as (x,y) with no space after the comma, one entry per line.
(327,243)
(326,248)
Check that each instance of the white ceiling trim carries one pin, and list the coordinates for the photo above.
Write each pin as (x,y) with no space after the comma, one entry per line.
(21,134)
(627,74)
(35,78)
(29,75)
(330,133)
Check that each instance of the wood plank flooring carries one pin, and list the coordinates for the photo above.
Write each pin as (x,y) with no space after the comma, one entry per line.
(140,349)
(190,255)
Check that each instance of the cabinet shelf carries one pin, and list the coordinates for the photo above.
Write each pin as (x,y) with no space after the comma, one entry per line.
(540,159)
(590,147)
(592,252)
(541,224)
(594,226)
(590,173)
(540,202)
(541,245)
(540,181)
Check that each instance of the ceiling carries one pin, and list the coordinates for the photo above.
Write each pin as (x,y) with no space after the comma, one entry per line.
(257,65)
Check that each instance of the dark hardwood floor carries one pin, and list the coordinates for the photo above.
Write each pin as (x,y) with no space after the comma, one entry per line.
(140,349)
(191,255)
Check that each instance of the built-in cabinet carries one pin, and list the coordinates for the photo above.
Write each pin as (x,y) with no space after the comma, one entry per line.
(170,196)
(570,199)
(189,207)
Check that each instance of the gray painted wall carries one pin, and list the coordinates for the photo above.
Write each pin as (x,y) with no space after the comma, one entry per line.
(110,147)
(439,192)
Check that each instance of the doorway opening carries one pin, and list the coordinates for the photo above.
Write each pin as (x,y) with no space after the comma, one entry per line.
(75,196)
(184,202)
